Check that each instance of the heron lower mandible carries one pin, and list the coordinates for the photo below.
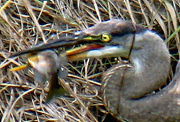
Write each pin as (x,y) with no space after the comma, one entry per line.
(127,88)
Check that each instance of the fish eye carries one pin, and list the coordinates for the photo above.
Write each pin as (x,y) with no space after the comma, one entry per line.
(105,38)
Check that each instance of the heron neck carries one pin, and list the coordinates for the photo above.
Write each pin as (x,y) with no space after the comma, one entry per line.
(150,66)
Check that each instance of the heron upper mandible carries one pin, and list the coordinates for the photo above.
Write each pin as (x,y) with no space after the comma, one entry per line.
(127,88)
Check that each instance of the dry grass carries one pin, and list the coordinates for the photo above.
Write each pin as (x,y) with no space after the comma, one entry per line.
(25,23)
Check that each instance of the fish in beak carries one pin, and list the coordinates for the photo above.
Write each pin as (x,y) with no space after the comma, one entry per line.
(48,66)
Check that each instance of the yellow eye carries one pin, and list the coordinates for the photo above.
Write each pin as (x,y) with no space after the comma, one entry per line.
(105,38)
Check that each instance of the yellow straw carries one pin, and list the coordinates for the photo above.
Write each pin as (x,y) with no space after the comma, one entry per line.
(18,68)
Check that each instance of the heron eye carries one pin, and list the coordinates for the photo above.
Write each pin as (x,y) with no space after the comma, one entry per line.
(105,38)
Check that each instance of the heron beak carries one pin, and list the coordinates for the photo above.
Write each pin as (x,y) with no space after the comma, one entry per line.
(62,42)
(93,47)
(66,41)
